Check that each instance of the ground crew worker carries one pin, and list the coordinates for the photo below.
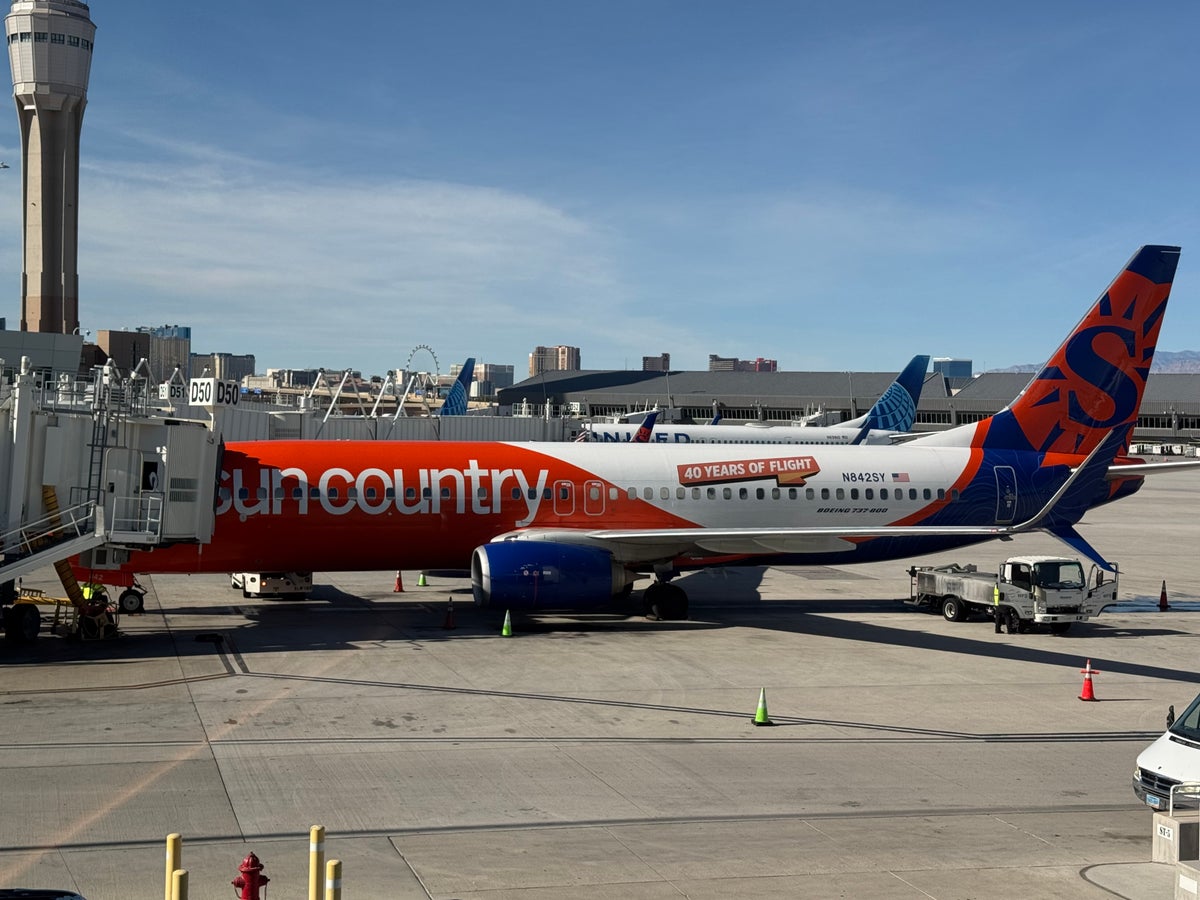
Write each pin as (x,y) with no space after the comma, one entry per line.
(997,617)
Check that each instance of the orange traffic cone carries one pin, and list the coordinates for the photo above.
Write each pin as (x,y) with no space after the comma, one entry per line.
(449,623)
(399,588)
(1088,672)
(1162,598)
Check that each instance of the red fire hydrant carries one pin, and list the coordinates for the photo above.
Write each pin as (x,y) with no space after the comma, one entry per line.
(251,878)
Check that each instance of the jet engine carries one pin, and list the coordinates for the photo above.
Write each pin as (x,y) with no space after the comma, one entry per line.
(532,575)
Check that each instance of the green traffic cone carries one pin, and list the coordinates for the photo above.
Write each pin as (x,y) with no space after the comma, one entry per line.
(760,716)
(421,582)
(506,631)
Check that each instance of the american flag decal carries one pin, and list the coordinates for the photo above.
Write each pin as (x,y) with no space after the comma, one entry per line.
(899,476)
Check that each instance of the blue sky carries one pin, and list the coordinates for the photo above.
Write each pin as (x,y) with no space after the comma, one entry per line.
(836,186)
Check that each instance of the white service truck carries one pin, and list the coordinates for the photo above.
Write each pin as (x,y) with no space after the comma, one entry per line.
(272,584)
(1028,591)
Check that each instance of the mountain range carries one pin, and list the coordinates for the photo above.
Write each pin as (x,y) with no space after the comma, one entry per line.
(1166,362)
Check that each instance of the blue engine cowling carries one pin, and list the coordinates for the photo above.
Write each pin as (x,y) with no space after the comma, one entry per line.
(544,575)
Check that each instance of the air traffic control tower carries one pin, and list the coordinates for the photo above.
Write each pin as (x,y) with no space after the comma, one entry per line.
(50,51)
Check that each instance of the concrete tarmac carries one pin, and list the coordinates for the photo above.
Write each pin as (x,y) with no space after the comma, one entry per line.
(600,756)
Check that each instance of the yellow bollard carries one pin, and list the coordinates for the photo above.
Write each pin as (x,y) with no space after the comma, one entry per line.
(174,860)
(179,884)
(316,860)
(333,880)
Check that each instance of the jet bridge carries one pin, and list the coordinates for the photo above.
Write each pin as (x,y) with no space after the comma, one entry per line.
(89,469)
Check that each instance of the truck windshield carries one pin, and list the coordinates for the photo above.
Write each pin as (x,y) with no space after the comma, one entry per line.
(1058,575)
(1187,725)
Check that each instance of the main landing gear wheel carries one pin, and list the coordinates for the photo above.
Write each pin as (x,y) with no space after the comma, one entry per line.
(665,601)
(22,622)
(131,601)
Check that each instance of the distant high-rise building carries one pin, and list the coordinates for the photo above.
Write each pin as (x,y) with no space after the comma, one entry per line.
(554,359)
(50,53)
(656,363)
(733,364)
(488,378)
(953,368)
(170,349)
(223,366)
(125,348)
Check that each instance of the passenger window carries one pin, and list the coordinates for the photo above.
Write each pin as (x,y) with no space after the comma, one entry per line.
(912,493)
(810,494)
(743,494)
(712,493)
(695,493)
(664,493)
(868,493)
(853,493)
(927,494)
(727,493)
(883,493)
(824,493)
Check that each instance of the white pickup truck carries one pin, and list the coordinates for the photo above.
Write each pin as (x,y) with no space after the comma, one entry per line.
(1171,762)
(1028,591)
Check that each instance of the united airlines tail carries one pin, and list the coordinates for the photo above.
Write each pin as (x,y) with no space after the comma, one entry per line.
(456,400)
(896,409)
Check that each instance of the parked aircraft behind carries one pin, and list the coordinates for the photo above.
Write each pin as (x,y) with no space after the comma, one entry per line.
(892,414)
(570,525)
(455,403)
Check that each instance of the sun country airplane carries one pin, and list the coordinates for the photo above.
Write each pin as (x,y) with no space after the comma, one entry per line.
(573,525)
(890,419)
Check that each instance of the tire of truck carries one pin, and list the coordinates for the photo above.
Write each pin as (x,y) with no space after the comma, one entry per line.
(953,609)
(1012,622)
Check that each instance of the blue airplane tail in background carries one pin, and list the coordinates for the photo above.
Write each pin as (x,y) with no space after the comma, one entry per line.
(896,409)
(456,400)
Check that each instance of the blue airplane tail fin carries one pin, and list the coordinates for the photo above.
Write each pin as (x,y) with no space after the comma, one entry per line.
(896,409)
(642,436)
(456,401)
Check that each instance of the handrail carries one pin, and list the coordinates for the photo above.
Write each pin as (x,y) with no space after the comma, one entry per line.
(73,521)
